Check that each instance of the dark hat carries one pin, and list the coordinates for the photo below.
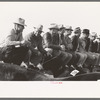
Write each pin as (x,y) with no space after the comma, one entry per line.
(86,31)
(77,29)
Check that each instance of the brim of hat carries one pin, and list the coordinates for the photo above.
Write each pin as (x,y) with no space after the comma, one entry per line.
(20,24)
(69,29)
(53,28)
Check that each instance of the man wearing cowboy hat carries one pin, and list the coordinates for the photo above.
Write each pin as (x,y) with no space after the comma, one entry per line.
(51,41)
(69,48)
(83,42)
(14,48)
(94,43)
(94,46)
(75,38)
(36,49)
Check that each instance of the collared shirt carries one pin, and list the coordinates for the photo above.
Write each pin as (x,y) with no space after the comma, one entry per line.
(12,38)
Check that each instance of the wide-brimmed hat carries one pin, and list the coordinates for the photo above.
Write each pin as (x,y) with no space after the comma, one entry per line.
(68,28)
(39,27)
(53,26)
(86,31)
(61,26)
(20,21)
(77,29)
(94,34)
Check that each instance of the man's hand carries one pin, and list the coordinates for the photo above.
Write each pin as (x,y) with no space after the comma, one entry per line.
(49,54)
(25,43)
(62,47)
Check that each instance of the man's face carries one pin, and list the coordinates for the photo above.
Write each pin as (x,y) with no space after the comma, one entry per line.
(78,33)
(54,31)
(68,32)
(61,31)
(40,30)
(19,27)
(92,37)
(85,35)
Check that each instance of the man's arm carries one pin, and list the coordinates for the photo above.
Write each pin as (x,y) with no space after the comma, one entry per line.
(67,46)
(10,40)
(40,46)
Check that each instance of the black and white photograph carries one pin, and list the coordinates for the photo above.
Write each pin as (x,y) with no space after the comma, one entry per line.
(49,41)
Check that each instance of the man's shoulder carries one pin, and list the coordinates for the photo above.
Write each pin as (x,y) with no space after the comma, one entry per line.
(12,32)
(47,34)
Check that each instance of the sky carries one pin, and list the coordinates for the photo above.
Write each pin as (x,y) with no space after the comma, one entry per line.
(75,14)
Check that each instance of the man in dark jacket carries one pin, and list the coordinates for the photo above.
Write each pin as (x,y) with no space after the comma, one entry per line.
(94,46)
(91,57)
(51,41)
(75,40)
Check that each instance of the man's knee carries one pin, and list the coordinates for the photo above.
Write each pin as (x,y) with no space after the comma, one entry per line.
(70,56)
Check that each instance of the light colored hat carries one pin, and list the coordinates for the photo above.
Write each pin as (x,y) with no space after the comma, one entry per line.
(39,27)
(61,26)
(53,26)
(94,34)
(20,21)
(68,28)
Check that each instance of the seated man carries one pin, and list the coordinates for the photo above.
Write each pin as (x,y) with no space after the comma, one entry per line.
(75,39)
(14,49)
(83,48)
(94,47)
(77,58)
(36,49)
(51,41)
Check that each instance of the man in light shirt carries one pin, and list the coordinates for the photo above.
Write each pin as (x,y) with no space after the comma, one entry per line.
(14,49)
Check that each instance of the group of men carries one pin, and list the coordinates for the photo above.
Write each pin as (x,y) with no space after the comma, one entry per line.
(72,52)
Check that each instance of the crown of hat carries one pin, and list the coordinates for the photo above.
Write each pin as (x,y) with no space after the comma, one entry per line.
(86,31)
(61,26)
(53,25)
(77,29)
(20,21)
(68,27)
(93,34)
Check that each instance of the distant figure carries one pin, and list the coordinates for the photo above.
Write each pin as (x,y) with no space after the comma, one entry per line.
(14,49)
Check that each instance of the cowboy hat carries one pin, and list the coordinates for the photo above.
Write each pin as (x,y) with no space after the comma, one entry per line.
(68,28)
(39,27)
(61,26)
(20,21)
(94,34)
(53,26)
(77,29)
(87,31)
